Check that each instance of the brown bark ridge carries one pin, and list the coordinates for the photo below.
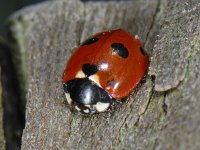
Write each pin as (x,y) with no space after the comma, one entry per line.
(162,113)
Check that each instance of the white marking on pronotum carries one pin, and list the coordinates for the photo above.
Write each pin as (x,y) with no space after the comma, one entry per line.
(95,78)
(101,107)
(76,107)
(86,111)
(80,74)
(69,100)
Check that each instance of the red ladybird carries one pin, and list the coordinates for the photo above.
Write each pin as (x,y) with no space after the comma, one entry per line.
(106,67)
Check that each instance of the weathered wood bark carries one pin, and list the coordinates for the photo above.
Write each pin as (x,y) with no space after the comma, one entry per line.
(12,115)
(162,113)
(2,139)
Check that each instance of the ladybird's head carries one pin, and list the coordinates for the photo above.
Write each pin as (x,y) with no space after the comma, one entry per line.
(86,95)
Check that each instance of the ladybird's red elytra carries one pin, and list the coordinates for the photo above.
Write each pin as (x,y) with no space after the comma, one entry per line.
(106,67)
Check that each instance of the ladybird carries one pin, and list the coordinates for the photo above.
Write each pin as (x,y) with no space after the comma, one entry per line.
(105,68)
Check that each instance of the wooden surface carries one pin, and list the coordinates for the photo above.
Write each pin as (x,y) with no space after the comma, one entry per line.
(2,138)
(10,126)
(162,113)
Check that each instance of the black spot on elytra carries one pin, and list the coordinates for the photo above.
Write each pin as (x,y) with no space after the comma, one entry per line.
(90,41)
(142,51)
(120,49)
(89,69)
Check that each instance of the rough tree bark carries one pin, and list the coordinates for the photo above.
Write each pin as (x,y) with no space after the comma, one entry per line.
(162,113)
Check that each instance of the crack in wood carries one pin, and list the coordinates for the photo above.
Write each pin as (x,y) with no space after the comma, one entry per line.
(155,16)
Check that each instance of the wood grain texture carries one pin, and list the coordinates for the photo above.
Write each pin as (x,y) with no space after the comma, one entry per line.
(152,118)
(175,64)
